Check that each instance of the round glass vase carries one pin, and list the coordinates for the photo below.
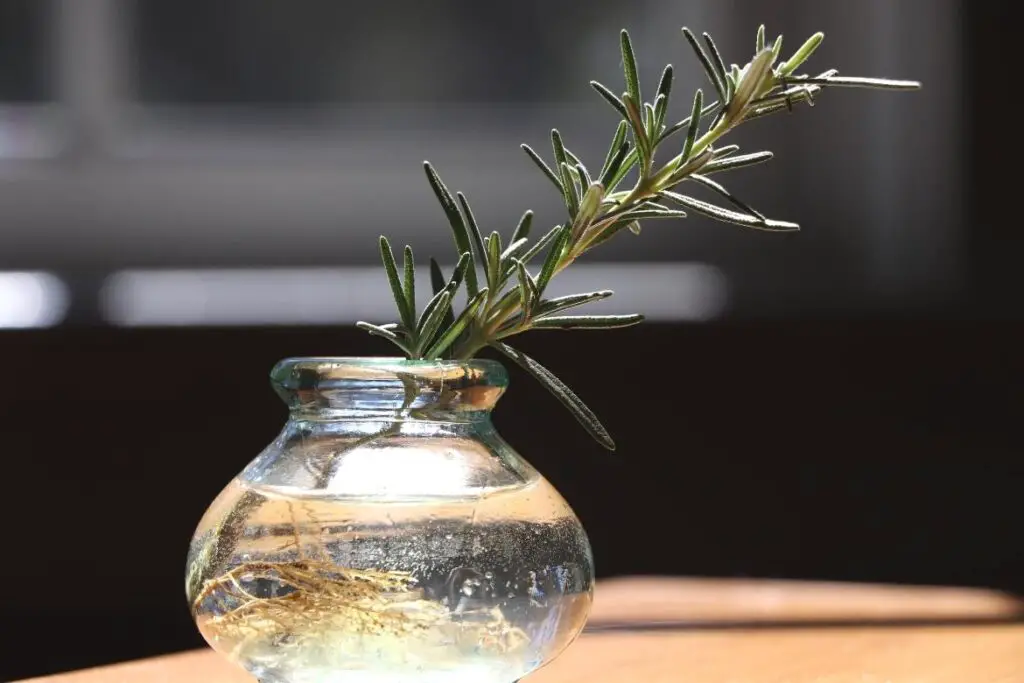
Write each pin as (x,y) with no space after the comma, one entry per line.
(389,534)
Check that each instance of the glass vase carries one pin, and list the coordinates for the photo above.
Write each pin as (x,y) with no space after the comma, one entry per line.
(389,534)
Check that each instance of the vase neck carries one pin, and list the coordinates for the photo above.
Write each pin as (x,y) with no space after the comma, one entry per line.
(389,388)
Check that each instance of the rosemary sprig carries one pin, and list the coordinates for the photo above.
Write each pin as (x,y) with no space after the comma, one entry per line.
(509,299)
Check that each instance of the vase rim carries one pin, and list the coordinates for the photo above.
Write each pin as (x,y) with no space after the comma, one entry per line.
(357,384)
(385,363)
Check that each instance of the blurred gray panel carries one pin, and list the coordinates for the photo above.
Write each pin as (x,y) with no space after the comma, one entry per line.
(194,167)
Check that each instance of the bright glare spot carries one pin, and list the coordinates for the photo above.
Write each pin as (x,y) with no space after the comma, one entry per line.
(396,472)
(32,299)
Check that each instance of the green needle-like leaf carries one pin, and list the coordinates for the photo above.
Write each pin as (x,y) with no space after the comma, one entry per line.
(579,410)
(562,303)
(554,257)
(650,119)
(705,61)
(378,331)
(613,149)
(581,171)
(640,139)
(391,268)
(541,244)
(513,251)
(542,165)
(694,128)
(760,45)
(410,285)
(629,66)
(438,282)
(855,82)
(432,321)
(474,228)
(801,55)
(720,189)
(493,260)
(451,332)
(716,57)
(459,230)
(529,293)
(523,228)
(562,162)
(587,322)
(615,165)
(732,163)
(609,97)
(665,85)
(718,213)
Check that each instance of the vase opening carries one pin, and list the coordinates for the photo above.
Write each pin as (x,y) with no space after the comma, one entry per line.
(388,388)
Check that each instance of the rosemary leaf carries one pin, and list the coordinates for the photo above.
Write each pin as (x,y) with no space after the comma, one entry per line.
(438,283)
(474,228)
(529,293)
(579,410)
(610,97)
(731,163)
(801,55)
(640,139)
(628,162)
(459,230)
(461,270)
(523,228)
(410,285)
(736,201)
(378,331)
(713,76)
(650,119)
(493,260)
(629,66)
(558,304)
(608,177)
(512,251)
(855,82)
(453,330)
(664,92)
(587,322)
(562,164)
(691,133)
(724,151)
(541,244)
(537,159)
(391,268)
(717,61)
(643,214)
(718,213)
(609,232)
(584,175)
(760,44)
(432,321)
(776,49)
(554,257)
(613,149)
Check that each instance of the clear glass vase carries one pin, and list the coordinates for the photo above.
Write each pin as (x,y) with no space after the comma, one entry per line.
(389,534)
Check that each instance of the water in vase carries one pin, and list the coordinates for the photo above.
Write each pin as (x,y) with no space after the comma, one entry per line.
(302,586)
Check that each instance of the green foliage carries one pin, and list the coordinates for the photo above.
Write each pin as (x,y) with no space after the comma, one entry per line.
(510,299)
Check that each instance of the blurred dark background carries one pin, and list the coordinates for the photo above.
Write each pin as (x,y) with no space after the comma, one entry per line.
(190,191)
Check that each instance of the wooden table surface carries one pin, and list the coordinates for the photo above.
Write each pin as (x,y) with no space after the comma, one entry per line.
(661,630)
